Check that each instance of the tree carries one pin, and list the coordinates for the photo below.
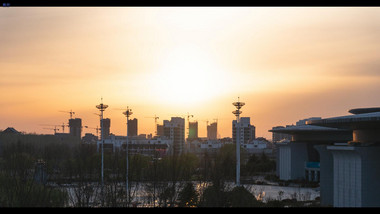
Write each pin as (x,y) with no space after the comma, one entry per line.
(241,197)
(188,197)
(213,196)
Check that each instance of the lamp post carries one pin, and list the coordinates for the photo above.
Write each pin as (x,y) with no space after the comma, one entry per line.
(237,113)
(127,113)
(102,107)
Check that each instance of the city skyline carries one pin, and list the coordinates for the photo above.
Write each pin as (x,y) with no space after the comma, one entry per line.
(285,63)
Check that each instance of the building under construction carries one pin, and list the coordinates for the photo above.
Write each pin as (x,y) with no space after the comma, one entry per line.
(193,130)
(106,127)
(76,127)
(212,131)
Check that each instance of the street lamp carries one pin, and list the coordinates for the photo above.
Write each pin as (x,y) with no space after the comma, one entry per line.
(237,113)
(102,107)
(127,113)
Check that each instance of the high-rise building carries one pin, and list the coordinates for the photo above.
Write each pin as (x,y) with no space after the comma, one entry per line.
(106,127)
(75,127)
(193,130)
(175,130)
(212,131)
(160,130)
(247,131)
(132,127)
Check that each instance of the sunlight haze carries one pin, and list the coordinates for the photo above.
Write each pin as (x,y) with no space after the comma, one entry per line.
(285,63)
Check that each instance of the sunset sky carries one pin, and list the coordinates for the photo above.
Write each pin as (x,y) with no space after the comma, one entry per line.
(285,63)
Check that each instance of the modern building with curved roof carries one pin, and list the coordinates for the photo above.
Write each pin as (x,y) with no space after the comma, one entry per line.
(355,167)
(298,159)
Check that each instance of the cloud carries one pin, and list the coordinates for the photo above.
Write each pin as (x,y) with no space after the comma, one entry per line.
(360,69)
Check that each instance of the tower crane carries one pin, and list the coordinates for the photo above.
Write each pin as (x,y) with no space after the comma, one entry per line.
(188,122)
(70,112)
(205,121)
(55,129)
(188,117)
(63,127)
(155,121)
(97,129)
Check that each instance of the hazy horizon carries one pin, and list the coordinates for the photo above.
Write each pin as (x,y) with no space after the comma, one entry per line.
(285,63)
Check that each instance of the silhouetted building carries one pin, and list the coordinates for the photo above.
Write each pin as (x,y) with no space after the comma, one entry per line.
(160,130)
(132,127)
(212,131)
(247,131)
(193,130)
(75,127)
(106,127)
(298,159)
(10,130)
(154,147)
(175,130)
(89,138)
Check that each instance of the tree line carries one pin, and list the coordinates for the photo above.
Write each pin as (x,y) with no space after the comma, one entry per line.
(72,177)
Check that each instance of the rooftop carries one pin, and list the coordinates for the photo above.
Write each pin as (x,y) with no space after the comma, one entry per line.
(361,118)
(304,128)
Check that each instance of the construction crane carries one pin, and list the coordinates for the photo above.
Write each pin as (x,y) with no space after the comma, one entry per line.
(100,116)
(55,129)
(63,127)
(205,121)
(188,117)
(188,120)
(97,129)
(155,118)
(70,112)
(155,121)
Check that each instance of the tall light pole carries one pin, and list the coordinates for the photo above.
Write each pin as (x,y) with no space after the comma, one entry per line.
(127,113)
(102,107)
(237,113)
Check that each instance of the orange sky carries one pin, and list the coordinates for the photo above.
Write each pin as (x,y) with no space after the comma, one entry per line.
(285,63)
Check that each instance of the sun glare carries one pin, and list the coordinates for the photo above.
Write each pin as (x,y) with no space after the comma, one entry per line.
(186,76)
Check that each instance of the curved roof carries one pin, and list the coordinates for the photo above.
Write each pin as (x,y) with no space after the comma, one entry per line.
(361,120)
(305,128)
(364,110)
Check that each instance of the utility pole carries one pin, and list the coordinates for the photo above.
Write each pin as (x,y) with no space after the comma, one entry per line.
(237,113)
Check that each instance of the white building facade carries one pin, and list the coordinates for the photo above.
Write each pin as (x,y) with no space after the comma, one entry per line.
(175,131)
(137,145)
(247,131)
